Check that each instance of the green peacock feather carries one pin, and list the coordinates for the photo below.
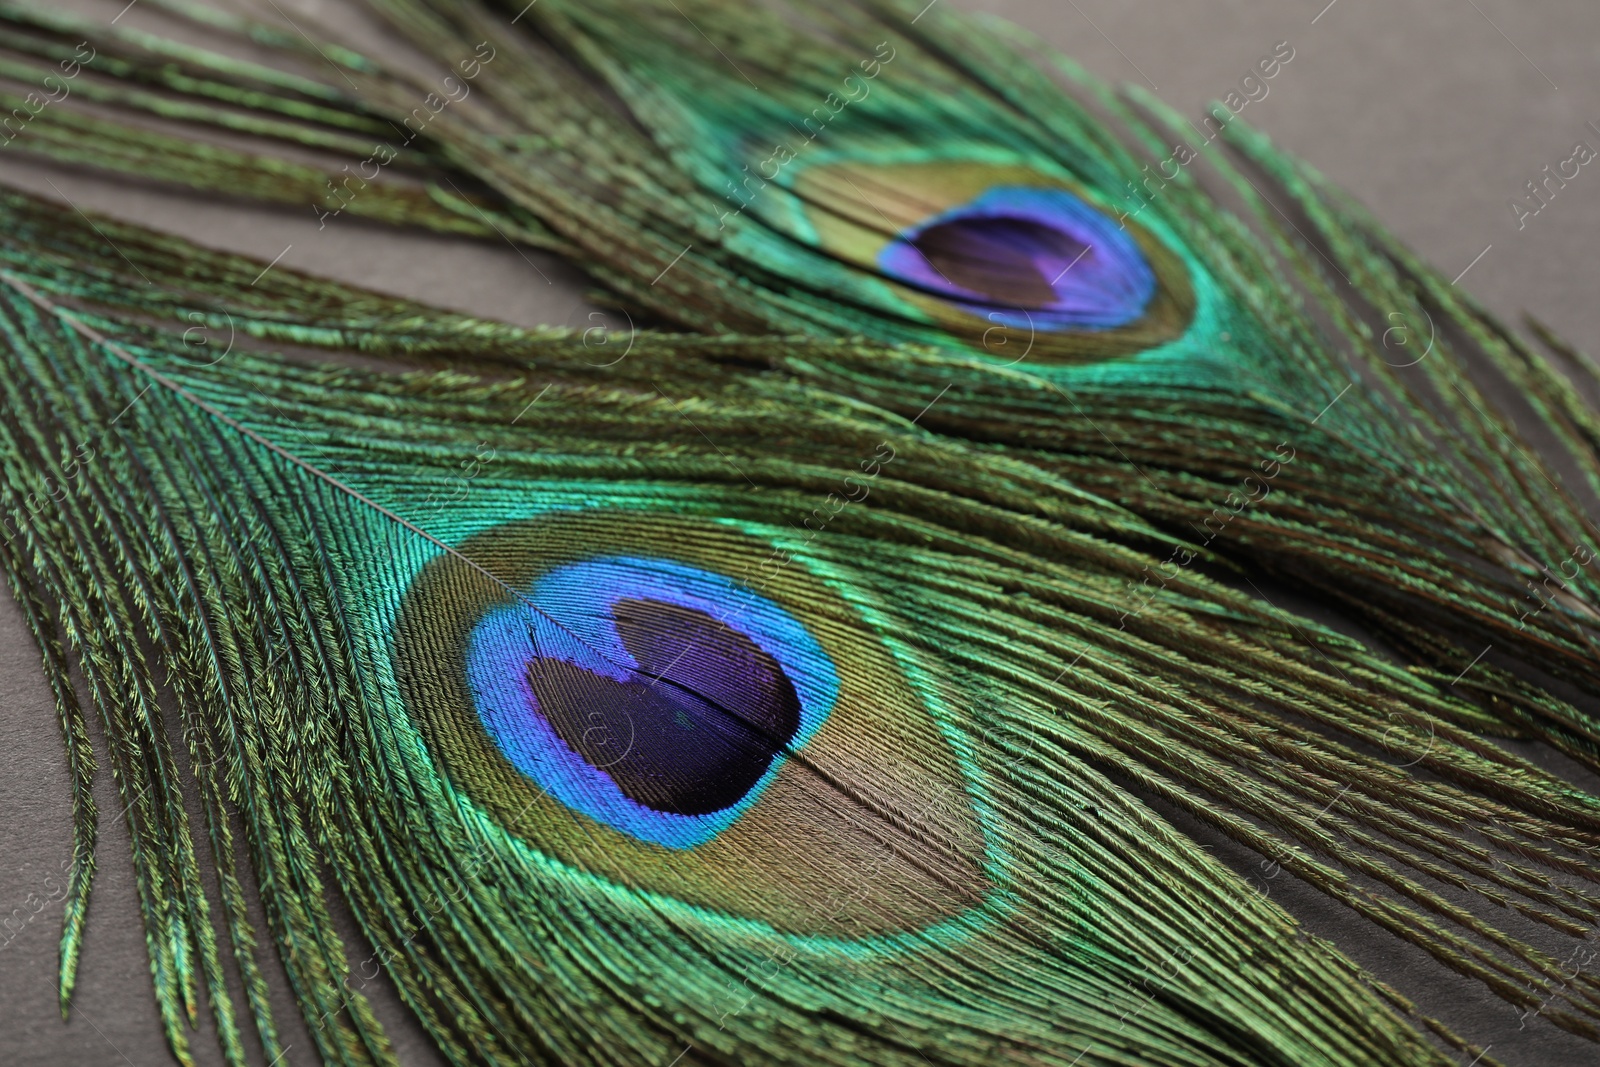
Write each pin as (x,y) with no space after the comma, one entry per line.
(896,645)
(876,171)
(933,866)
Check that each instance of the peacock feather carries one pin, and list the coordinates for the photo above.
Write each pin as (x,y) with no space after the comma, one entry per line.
(917,178)
(610,762)
(815,743)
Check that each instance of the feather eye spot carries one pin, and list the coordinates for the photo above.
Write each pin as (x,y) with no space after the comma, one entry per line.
(980,248)
(627,694)
(651,696)
(1017,249)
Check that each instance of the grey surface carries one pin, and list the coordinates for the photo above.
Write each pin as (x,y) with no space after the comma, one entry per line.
(1433,112)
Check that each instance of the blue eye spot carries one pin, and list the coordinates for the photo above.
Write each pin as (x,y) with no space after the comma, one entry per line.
(654,697)
(1020,255)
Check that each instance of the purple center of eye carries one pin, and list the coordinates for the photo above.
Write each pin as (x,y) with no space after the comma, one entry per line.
(1036,258)
(1002,258)
(696,731)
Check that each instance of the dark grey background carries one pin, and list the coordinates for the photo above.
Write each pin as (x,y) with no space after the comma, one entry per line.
(1433,112)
